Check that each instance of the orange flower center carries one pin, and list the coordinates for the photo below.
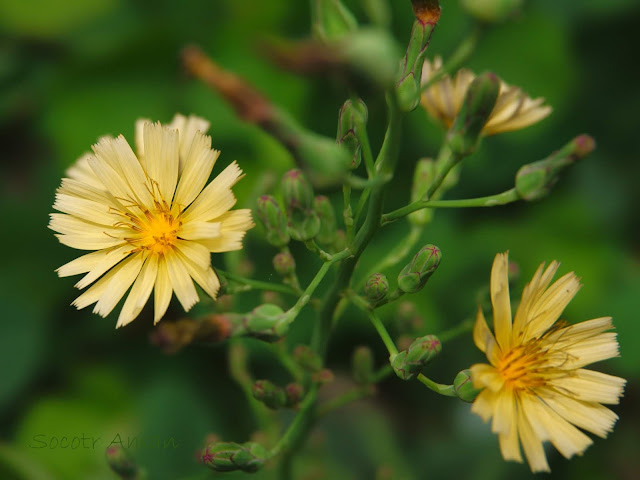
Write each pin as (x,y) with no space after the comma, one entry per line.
(521,367)
(160,232)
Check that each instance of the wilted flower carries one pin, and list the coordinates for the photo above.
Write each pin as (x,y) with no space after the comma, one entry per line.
(514,109)
(149,218)
(535,388)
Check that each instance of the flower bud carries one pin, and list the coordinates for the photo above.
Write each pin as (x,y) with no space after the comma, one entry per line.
(324,209)
(121,462)
(266,322)
(376,288)
(284,264)
(408,87)
(535,180)
(414,275)
(304,223)
(307,358)
(271,395)
(351,119)
(228,457)
(294,393)
(474,113)
(423,176)
(463,386)
(273,220)
(340,242)
(410,362)
(332,20)
(362,365)
(323,376)
(492,10)
(171,337)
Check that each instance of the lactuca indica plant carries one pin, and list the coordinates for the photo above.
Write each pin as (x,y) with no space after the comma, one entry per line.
(150,220)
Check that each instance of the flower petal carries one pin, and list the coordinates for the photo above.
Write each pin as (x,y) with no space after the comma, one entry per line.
(181,282)
(119,284)
(161,158)
(140,292)
(162,291)
(500,300)
(198,163)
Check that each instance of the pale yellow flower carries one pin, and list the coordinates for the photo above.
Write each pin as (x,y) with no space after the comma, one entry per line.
(513,110)
(149,218)
(535,388)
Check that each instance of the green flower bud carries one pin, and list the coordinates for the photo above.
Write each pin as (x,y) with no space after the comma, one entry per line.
(463,386)
(324,209)
(271,395)
(423,176)
(304,223)
(121,462)
(352,118)
(273,220)
(492,10)
(474,113)
(376,288)
(414,275)
(307,358)
(340,242)
(284,264)
(294,393)
(362,365)
(410,362)
(323,376)
(332,20)
(408,87)
(535,180)
(228,457)
(266,322)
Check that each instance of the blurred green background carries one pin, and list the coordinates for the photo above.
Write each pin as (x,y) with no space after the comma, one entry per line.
(71,71)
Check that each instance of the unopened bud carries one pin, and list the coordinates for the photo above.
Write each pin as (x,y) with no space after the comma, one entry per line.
(307,358)
(351,119)
(228,457)
(423,176)
(410,362)
(271,395)
(332,20)
(273,220)
(121,462)
(414,275)
(284,264)
(474,113)
(409,83)
(294,393)
(324,209)
(492,10)
(535,180)
(304,223)
(266,322)
(463,386)
(362,365)
(323,376)
(376,288)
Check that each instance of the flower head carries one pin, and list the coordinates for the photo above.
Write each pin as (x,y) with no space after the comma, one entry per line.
(148,218)
(535,388)
(513,110)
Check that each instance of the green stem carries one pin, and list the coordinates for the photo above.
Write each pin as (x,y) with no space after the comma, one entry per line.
(385,165)
(383,333)
(367,154)
(299,425)
(239,372)
(257,284)
(347,212)
(503,198)
(446,390)
(293,312)
(315,248)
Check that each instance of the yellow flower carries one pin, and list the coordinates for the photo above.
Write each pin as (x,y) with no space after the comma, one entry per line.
(513,110)
(149,218)
(535,388)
